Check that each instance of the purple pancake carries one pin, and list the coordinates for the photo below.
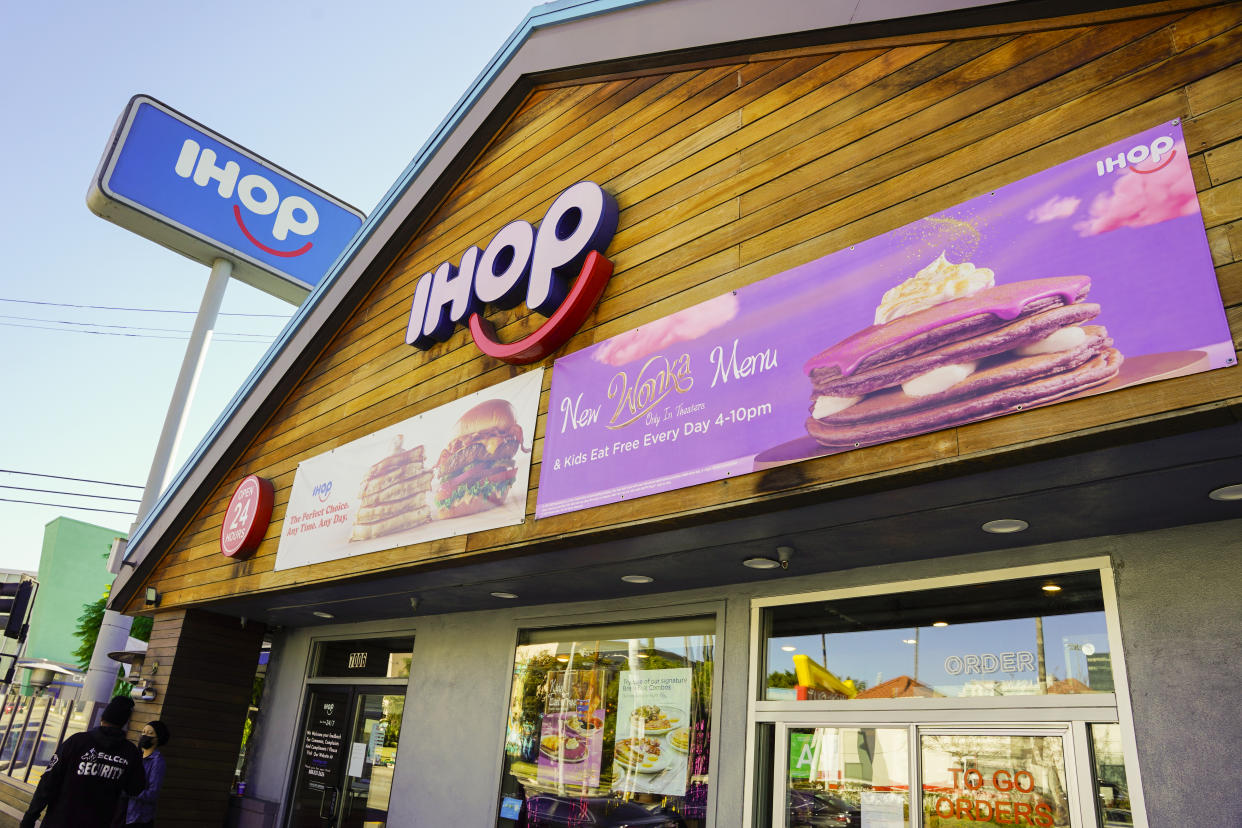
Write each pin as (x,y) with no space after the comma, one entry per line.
(985,330)
(1097,370)
(951,321)
(1027,329)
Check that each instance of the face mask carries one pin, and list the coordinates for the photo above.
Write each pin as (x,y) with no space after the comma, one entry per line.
(146,742)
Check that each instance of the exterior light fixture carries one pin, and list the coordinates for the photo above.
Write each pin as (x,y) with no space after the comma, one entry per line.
(940,623)
(507,595)
(1005,526)
(152,597)
(1226,493)
(322,614)
(761,563)
(1051,588)
(637,579)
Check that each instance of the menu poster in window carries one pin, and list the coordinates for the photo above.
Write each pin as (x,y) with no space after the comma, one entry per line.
(322,741)
(571,738)
(652,746)
(883,810)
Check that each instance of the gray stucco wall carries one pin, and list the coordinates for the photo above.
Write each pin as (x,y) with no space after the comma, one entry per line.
(1180,621)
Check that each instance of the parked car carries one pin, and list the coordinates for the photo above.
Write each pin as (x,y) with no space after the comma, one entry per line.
(821,809)
(604,811)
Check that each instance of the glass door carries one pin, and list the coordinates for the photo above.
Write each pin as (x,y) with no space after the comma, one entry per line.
(1003,777)
(347,755)
(854,776)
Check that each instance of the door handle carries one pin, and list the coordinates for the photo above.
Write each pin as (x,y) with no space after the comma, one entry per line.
(326,805)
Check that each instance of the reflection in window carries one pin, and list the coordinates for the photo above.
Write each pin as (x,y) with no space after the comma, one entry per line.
(1111,789)
(610,725)
(848,776)
(1022,637)
(999,779)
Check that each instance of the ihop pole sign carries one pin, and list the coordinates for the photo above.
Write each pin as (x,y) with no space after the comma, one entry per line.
(177,183)
(559,270)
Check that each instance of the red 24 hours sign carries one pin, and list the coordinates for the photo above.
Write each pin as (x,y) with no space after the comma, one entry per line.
(247,518)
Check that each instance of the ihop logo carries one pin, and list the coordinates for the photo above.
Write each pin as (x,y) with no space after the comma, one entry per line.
(255,193)
(558,270)
(322,491)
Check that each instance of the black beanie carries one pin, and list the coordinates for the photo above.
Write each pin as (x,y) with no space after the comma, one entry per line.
(161,731)
(118,711)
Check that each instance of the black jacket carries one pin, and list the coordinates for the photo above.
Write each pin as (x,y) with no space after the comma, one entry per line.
(85,778)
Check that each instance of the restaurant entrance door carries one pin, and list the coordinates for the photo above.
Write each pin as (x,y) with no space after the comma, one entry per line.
(346,757)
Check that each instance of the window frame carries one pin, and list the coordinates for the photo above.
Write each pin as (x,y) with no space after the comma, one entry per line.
(1074,712)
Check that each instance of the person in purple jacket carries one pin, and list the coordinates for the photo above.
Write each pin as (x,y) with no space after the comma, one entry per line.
(140,809)
(88,774)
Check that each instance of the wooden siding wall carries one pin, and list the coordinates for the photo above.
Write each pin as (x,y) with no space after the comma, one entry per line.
(727,174)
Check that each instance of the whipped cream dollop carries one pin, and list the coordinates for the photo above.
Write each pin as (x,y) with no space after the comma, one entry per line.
(938,380)
(1065,339)
(939,282)
(826,406)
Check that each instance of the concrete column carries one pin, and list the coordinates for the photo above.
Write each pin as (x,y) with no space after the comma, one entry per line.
(101,676)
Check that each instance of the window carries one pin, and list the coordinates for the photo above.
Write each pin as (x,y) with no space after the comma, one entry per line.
(610,725)
(1023,637)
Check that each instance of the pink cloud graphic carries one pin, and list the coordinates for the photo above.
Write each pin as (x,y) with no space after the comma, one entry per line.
(1142,196)
(682,326)
(1054,209)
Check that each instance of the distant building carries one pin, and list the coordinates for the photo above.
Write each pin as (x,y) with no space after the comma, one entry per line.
(73,572)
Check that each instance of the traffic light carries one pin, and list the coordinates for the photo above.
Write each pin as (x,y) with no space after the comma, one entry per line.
(14,602)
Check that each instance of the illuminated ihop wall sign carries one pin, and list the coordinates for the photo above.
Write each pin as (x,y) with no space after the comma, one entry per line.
(173,181)
(559,270)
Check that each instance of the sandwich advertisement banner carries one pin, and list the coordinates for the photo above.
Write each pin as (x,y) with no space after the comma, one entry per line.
(1088,277)
(462,467)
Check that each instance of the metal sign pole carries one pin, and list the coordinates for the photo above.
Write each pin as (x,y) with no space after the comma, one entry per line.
(183,394)
(114,631)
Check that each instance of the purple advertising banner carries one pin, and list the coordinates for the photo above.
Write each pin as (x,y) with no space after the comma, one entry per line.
(1090,276)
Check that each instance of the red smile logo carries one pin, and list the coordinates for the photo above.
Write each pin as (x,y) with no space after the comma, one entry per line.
(288,254)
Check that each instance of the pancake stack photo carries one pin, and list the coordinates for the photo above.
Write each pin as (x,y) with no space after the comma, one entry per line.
(393,497)
(949,347)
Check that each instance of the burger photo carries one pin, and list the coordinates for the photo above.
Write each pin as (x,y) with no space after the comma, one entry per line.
(476,469)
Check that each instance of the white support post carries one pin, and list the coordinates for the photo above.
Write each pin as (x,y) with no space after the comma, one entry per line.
(114,631)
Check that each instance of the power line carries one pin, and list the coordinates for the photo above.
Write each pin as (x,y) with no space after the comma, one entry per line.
(135,335)
(127,327)
(74,479)
(72,494)
(65,506)
(137,310)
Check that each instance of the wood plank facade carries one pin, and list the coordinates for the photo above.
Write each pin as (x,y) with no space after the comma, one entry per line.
(728,172)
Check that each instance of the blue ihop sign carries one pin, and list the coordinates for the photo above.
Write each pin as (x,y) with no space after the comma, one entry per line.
(170,179)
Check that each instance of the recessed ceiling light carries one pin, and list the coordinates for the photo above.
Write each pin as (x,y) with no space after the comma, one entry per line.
(322,614)
(503,595)
(789,649)
(562,658)
(1050,588)
(1005,526)
(637,579)
(909,641)
(940,623)
(761,563)
(1233,492)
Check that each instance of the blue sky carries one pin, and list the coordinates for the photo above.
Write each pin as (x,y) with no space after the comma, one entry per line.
(342,95)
